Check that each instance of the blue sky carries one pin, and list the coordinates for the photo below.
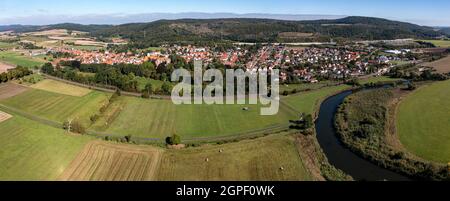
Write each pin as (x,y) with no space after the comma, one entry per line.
(435,12)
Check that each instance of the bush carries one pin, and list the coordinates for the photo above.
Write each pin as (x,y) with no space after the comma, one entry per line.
(145,95)
(128,138)
(173,140)
(94,118)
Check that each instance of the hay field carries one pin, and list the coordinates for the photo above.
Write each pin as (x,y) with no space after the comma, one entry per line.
(273,158)
(102,161)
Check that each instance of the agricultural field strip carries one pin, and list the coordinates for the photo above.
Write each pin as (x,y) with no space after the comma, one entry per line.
(107,162)
(61,88)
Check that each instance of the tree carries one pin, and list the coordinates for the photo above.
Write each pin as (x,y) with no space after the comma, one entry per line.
(166,89)
(47,68)
(173,140)
(149,88)
(308,121)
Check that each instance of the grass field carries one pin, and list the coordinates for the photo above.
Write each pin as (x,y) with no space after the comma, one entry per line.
(31,151)
(377,79)
(439,43)
(161,118)
(57,107)
(306,102)
(5,45)
(253,160)
(61,88)
(305,86)
(423,122)
(20,60)
(102,161)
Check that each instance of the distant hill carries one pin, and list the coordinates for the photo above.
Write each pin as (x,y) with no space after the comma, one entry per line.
(253,30)
(267,30)
(445,30)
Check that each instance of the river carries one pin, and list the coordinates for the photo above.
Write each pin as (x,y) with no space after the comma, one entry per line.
(341,157)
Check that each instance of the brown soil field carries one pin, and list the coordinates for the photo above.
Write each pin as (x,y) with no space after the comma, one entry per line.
(102,161)
(441,66)
(4,116)
(5,67)
(8,90)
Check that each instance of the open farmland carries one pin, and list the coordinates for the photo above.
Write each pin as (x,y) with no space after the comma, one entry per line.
(61,88)
(101,161)
(441,65)
(270,158)
(18,59)
(57,107)
(32,151)
(161,118)
(423,122)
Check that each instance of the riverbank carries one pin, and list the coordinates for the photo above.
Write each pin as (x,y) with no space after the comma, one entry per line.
(364,123)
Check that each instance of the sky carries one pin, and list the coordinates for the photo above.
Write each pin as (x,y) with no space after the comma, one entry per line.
(432,13)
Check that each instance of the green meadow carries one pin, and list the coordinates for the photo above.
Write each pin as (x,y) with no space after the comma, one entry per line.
(423,122)
(307,102)
(16,58)
(32,151)
(161,118)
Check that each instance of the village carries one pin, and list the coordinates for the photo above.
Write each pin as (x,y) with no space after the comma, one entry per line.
(305,63)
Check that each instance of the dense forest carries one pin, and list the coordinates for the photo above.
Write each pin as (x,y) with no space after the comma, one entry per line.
(248,30)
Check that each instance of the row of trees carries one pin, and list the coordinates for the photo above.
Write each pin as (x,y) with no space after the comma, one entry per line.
(120,76)
(15,73)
